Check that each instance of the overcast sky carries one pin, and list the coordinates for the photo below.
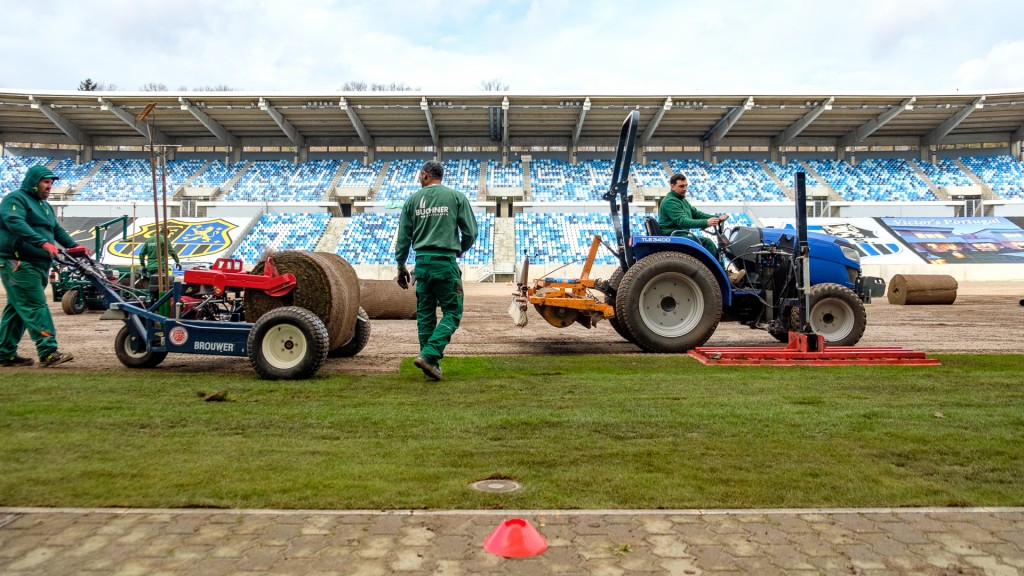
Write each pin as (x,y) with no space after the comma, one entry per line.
(712,47)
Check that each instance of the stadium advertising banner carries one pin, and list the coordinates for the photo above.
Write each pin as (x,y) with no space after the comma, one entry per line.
(83,230)
(874,242)
(196,240)
(981,240)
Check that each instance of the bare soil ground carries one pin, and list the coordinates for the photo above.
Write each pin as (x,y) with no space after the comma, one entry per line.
(986,318)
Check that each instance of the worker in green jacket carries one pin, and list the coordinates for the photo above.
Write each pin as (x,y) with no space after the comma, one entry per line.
(149,256)
(676,213)
(29,235)
(438,223)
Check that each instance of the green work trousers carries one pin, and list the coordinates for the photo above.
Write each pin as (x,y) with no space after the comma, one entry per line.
(25,285)
(438,283)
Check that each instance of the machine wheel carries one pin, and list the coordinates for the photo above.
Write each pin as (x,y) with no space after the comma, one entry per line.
(288,343)
(73,303)
(359,338)
(609,298)
(837,314)
(669,302)
(123,350)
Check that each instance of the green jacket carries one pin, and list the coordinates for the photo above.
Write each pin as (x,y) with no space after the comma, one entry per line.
(676,213)
(149,256)
(27,222)
(435,220)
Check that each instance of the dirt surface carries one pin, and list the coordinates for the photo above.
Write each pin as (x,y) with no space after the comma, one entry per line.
(986,318)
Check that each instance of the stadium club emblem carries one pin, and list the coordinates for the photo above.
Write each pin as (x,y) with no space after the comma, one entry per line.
(189,239)
(178,335)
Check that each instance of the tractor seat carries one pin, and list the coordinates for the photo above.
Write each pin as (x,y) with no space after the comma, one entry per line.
(652,226)
(654,229)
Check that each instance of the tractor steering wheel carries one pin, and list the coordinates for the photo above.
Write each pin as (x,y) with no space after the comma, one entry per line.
(718,231)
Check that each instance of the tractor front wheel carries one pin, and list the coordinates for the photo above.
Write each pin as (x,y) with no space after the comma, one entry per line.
(288,343)
(837,314)
(669,302)
(140,358)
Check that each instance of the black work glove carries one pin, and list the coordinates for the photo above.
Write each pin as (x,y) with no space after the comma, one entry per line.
(404,278)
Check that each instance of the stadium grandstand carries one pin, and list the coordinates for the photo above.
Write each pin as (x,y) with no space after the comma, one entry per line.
(330,172)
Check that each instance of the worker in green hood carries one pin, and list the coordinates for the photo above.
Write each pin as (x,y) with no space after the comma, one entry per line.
(29,235)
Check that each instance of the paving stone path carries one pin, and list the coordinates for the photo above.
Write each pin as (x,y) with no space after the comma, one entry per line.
(932,542)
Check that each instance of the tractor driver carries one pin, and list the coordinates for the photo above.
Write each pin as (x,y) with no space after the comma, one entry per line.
(676,213)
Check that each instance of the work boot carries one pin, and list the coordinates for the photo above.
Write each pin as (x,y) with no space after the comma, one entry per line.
(57,357)
(433,371)
(735,277)
(16,361)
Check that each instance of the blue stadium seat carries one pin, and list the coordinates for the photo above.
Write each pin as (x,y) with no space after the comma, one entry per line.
(282,231)
(13,168)
(369,238)
(1003,174)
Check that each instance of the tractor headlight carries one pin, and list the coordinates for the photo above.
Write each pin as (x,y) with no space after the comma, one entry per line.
(851,253)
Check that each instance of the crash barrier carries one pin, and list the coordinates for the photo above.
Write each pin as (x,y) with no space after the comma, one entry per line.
(922,289)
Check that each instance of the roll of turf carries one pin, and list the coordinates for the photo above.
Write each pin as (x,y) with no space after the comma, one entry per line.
(386,300)
(325,284)
(911,289)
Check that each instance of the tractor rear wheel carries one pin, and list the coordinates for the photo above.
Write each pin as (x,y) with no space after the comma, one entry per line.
(609,299)
(359,338)
(288,343)
(144,358)
(73,303)
(838,314)
(669,302)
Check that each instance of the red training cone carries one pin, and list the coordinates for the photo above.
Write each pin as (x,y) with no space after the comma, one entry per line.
(515,538)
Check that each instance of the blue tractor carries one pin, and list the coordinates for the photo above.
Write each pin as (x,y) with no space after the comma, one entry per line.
(669,293)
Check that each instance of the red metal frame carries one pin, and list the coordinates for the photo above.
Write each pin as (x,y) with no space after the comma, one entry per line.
(228,272)
(803,351)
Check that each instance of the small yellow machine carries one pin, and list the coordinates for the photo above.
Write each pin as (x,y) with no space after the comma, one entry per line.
(562,301)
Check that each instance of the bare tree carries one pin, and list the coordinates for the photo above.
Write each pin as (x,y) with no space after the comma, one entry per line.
(360,86)
(215,88)
(153,87)
(88,85)
(493,85)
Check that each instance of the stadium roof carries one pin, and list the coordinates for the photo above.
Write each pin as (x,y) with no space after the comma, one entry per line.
(414,118)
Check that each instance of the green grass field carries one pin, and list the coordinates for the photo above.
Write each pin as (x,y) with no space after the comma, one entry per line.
(579,432)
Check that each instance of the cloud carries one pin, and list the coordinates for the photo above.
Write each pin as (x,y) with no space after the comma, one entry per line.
(1000,68)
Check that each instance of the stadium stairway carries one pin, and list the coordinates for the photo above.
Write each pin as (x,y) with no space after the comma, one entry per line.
(231,182)
(481,195)
(384,169)
(505,241)
(986,191)
(332,235)
(334,181)
(787,190)
(527,187)
(85,179)
(939,193)
(833,196)
(638,192)
(188,181)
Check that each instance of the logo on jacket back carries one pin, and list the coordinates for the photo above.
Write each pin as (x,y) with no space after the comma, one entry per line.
(427,211)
